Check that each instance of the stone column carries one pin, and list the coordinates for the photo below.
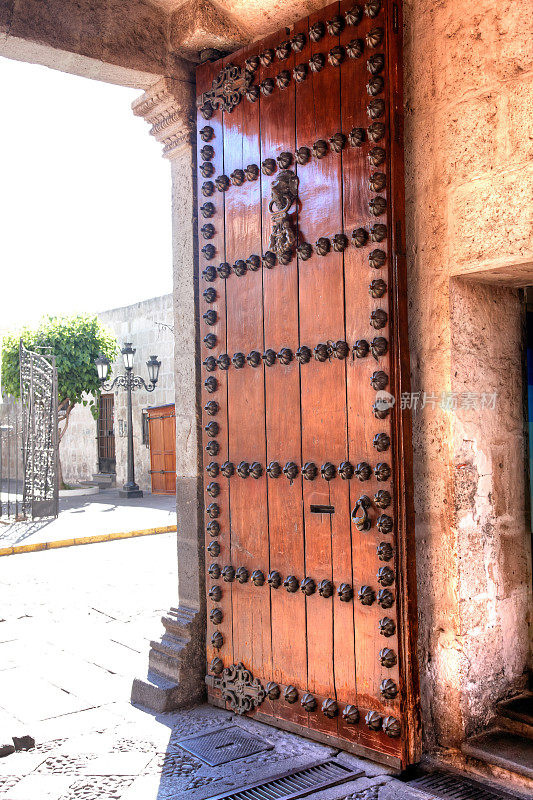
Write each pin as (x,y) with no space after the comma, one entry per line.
(177,661)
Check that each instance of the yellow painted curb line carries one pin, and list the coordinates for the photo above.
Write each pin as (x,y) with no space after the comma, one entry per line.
(105,537)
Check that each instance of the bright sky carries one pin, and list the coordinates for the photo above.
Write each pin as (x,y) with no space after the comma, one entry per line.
(84,197)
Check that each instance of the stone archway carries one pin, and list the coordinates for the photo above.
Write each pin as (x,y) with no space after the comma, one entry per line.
(468,75)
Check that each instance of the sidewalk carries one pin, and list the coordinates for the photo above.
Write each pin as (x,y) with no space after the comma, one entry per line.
(93,515)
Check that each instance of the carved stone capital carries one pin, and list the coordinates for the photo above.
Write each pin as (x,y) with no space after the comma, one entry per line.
(168,106)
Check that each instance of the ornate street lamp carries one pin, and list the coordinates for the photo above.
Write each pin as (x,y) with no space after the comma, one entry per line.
(129,381)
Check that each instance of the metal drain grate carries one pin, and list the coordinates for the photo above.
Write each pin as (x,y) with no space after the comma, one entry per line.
(227,744)
(448,785)
(298,783)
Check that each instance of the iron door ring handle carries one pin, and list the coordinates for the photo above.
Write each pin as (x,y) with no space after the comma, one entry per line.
(363,522)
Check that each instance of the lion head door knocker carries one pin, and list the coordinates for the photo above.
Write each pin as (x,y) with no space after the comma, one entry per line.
(284,192)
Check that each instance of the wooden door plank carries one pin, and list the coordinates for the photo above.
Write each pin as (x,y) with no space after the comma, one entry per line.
(217,509)
(401,383)
(249,520)
(282,393)
(169,443)
(328,544)
(363,425)
(155,453)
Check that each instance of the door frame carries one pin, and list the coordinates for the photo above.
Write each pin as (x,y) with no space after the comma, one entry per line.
(101,439)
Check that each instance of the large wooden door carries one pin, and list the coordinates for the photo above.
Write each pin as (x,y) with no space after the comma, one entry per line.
(106,433)
(162,438)
(308,488)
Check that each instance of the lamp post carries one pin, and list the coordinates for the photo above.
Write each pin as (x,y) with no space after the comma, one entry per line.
(129,381)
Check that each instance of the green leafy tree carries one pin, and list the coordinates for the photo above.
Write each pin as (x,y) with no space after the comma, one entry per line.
(75,342)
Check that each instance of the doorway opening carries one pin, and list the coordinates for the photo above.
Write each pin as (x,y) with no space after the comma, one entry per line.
(106,434)
(162,442)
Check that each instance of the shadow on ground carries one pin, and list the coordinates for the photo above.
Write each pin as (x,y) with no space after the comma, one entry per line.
(93,515)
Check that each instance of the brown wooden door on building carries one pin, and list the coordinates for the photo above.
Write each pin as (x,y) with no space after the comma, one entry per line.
(309,529)
(162,437)
(106,433)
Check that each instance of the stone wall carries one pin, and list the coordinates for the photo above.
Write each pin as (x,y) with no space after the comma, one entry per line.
(78,449)
(11,467)
(468,91)
(149,326)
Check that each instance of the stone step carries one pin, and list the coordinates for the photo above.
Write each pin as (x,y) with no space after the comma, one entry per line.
(519,708)
(516,715)
(104,478)
(503,749)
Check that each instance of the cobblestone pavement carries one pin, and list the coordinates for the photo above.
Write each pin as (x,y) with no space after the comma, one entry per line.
(75,625)
(93,515)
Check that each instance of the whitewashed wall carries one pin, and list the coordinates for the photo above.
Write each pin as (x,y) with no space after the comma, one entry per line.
(149,326)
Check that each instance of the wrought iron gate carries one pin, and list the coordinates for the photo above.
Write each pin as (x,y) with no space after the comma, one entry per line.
(38,394)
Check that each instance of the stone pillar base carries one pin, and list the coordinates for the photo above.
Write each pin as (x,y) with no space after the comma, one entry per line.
(176,664)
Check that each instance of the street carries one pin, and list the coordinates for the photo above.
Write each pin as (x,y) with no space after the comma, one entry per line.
(75,626)
(105,513)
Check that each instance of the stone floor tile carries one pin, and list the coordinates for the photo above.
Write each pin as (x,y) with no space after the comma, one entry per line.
(145,732)
(12,654)
(32,699)
(10,725)
(117,659)
(49,746)
(98,788)
(135,744)
(124,711)
(7,784)
(88,682)
(145,787)
(132,634)
(396,790)
(12,628)
(21,763)
(370,768)
(40,787)
(118,764)
(93,719)
(90,742)
(66,763)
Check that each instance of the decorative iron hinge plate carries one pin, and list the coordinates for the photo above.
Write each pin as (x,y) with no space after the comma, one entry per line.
(240,689)
(227,88)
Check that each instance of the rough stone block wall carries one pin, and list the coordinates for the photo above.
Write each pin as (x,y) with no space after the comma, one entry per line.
(468,76)
(78,450)
(11,468)
(149,326)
